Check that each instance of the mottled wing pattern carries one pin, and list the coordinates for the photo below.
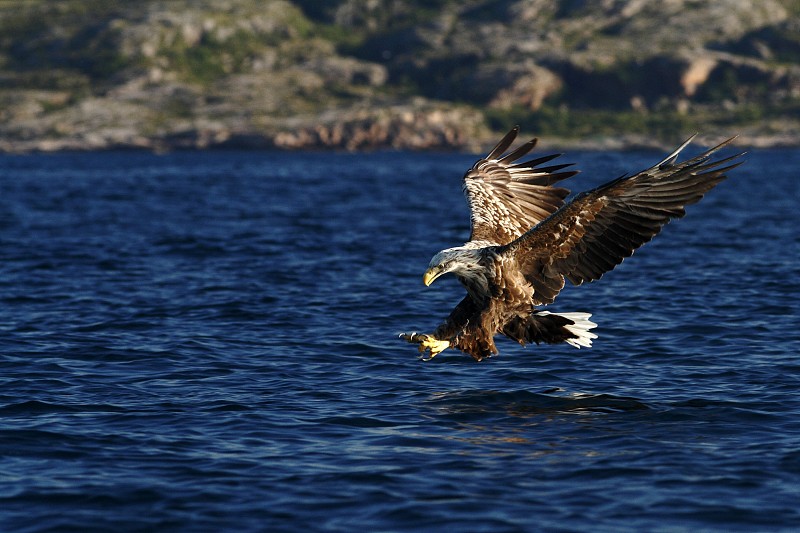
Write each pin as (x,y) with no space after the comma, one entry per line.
(599,228)
(506,199)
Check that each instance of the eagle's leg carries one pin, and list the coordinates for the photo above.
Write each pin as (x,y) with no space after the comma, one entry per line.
(428,344)
(476,342)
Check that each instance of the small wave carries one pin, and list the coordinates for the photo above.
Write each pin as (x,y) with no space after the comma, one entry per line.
(37,407)
(527,403)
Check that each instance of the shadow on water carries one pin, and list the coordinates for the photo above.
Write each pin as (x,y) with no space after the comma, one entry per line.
(477,404)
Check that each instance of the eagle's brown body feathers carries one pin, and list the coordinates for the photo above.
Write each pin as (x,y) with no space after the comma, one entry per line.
(525,242)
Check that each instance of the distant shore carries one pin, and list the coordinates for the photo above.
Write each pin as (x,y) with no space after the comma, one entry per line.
(203,141)
(356,76)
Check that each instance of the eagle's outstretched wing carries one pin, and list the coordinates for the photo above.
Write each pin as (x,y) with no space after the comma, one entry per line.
(506,199)
(599,228)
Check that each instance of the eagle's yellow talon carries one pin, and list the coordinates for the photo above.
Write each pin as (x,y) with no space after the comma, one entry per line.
(433,345)
(427,344)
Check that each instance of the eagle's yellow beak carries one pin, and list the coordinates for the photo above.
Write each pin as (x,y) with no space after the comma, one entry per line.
(430,275)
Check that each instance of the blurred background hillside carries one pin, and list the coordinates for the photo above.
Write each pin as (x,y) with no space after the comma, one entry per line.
(418,74)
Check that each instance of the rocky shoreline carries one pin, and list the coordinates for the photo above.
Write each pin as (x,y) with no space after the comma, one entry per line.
(419,126)
(378,74)
(364,136)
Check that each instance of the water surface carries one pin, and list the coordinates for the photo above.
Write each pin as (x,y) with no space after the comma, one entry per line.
(207,342)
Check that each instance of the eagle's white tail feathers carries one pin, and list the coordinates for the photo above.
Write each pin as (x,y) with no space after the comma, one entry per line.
(580,328)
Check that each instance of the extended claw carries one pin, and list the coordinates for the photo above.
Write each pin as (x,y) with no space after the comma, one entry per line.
(428,344)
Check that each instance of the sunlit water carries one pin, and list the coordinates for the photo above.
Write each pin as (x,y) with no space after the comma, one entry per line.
(207,342)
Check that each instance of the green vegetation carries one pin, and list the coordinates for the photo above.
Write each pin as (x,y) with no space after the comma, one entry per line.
(211,58)
(588,123)
(60,39)
(344,39)
(667,125)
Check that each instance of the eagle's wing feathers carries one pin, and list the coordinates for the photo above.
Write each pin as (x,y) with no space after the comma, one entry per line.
(598,229)
(506,199)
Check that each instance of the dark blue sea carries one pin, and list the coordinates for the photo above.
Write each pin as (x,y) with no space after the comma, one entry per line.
(208,342)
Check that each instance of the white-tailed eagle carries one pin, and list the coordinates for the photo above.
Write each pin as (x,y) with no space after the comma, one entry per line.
(525,241)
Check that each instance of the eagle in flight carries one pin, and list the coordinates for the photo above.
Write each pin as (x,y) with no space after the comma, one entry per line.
(525,241)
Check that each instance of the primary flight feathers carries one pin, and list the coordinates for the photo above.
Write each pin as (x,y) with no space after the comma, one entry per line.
(601,227)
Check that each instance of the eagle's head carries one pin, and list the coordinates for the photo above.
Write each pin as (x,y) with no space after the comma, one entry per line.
(462,261)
